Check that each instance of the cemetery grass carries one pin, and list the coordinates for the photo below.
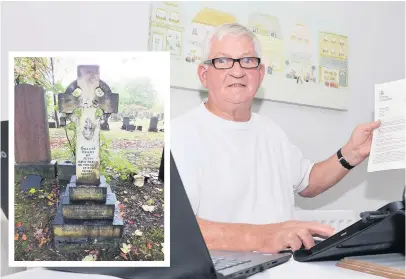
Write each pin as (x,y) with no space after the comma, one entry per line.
(143,230)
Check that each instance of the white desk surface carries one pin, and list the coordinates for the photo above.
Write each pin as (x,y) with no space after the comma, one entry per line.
(290,269)
(313,270)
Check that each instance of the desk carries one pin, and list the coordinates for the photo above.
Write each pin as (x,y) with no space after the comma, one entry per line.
(291,270)
(314,270)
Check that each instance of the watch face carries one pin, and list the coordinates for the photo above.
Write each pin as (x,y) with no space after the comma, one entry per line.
(4,167)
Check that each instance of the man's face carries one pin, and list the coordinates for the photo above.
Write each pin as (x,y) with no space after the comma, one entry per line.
(236,85)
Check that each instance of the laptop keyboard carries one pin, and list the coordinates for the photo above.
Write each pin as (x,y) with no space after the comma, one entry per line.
(223,263)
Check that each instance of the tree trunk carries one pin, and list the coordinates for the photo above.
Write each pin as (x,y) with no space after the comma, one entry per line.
(53,83)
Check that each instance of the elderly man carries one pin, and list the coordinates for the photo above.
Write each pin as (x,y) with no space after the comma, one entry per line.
(239,169)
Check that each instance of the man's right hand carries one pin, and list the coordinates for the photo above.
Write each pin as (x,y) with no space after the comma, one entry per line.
(291,235)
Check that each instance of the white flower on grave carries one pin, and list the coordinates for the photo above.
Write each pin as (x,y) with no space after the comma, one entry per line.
(88,129)
(137,233)
(148,208)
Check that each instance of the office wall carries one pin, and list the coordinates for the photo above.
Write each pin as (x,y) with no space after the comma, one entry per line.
(377,44)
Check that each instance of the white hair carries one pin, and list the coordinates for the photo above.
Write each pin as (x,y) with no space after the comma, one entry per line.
(234,29)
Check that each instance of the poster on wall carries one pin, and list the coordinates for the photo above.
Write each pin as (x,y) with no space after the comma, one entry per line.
(333,57)
(304,63)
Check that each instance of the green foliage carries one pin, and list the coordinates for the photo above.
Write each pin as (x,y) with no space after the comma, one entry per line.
(114,162)
(71,144)
(137,91)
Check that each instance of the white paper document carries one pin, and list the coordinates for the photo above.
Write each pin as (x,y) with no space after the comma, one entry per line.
(388,141)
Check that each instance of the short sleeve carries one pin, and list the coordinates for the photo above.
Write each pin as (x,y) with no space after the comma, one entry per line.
(298,167)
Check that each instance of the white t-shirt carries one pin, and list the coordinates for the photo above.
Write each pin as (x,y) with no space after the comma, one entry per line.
(237,172)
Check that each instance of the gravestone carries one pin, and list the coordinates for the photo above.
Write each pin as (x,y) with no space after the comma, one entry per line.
(153,124)
(88,215)
(31,129)
(105,124)
(62,121)
(126,122)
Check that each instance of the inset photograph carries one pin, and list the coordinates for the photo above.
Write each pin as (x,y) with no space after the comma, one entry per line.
(88,134)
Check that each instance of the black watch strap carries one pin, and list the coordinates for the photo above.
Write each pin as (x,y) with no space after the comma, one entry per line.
(343,162)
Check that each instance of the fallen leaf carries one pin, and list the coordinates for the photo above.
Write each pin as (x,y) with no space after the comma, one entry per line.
(150,202)
(32,191)
(19,224)
(24,237)
(16,236)
(89,258)
(138,233)
(121,206)
(42,241)
(149,245)
(50,203)
(126,248)
(156,214)
(148,208)
(124,256)
(46,230)
(131,222)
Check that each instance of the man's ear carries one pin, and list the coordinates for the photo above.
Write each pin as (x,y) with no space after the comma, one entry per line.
(202,73)
(261,72)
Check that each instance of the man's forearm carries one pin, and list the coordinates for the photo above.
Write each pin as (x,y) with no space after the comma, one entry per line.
(324,175)
(229,236)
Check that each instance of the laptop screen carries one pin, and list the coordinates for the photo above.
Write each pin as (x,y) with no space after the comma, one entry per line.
(4,167)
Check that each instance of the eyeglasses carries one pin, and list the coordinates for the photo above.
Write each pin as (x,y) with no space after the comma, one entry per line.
(227,63)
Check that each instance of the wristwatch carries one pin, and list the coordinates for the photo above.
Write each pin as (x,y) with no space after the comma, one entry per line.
(343,162)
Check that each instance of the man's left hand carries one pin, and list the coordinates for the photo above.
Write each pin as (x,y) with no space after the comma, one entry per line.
(359,145)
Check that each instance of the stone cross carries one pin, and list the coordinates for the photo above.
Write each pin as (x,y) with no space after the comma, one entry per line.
(88,122)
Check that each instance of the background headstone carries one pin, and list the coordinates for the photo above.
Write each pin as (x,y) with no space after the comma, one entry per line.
(153,124)
(62,121)
(126,122)
(31,125)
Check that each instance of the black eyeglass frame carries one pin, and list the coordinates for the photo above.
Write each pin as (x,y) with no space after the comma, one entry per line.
(211,62)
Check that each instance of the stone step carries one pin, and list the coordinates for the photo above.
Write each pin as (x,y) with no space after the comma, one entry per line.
(77,230)
(90,210)
(84,193)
